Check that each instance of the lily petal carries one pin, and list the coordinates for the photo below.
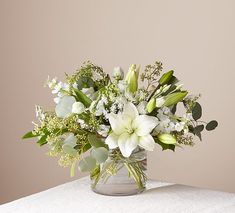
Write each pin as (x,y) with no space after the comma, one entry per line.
(117,123)
(144,124)
(127,143)
(147,142)
(130,110)
(112,141)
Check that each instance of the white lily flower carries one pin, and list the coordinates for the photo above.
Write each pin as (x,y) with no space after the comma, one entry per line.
(78,108)
(64,107)
(131,130)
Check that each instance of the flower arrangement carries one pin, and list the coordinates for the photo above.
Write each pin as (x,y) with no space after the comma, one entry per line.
(112,118)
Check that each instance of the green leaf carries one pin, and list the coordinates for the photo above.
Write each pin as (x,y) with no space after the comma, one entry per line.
(197,111)
(165,146)
(100,154)
(87,164)
(167,138)
(166,77)
(69,150)
(42,140)
(174,98)
(84,82)
(29,135)
(173,109)
(211,125)
(80,96)
(197,131)
(96,141)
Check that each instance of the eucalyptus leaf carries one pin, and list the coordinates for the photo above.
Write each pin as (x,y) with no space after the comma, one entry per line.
(166,77)
(174,98)
(69,149)
(197,111)
(100,154)
(211,125)
(29,135)
(96,141)
(87,164)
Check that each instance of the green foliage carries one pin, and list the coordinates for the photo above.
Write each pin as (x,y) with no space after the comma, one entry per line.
(197,111)
(211,125)
(29,135)
(80,96)
(174,98)
(164,145)
(42,140)
(197,130)
(166,77)
(87,164)
(100,154)
(96,141)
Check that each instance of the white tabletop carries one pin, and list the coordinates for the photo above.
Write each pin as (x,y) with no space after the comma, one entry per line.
(159,197)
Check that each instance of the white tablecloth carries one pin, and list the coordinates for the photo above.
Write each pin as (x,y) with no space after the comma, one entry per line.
(159,197)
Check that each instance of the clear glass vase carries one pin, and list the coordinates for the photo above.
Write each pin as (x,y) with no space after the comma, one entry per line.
(120,176)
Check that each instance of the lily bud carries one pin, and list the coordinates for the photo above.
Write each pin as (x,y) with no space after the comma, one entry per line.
(118,73)
(151,105)
(132,78)
(167,138)
(160,102)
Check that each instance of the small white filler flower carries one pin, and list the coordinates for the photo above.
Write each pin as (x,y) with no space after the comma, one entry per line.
(129,130)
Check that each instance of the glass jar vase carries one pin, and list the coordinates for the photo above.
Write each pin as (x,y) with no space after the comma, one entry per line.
(120,176)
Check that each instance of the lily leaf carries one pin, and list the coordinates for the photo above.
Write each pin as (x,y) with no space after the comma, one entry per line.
(42,140)
(87,164)
(211,125)
(29,135)
(174,98)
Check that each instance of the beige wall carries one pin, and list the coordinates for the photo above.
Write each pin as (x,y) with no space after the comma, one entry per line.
(37,38)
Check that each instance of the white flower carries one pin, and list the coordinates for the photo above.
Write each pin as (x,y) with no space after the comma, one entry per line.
(88,91)
(130,130)
(103,130)
(58,87)
(160,102)
(64,107)
(78,108)
(118,73)
(179,126)
(142,107)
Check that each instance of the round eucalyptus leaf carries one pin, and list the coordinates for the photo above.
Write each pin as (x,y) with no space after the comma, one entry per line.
(197,111)
(69,149)
(100,154)
(87,164)
(211,125)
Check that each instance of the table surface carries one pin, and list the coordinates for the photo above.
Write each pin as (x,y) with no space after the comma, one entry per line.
(159,197)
